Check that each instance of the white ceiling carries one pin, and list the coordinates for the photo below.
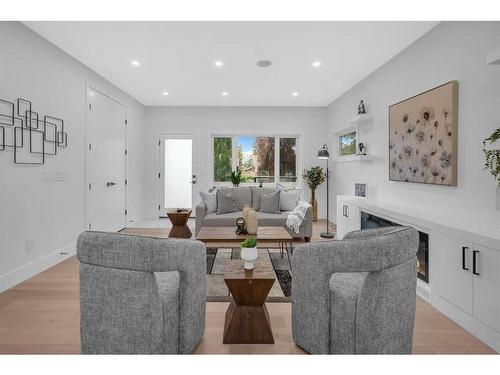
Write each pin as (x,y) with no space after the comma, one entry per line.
(179,57)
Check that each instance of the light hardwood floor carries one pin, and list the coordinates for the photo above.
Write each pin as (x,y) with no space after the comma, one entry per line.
(41,315)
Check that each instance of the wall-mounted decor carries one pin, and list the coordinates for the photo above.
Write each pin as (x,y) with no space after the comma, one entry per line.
(423,137)
(30,137)
(360,190)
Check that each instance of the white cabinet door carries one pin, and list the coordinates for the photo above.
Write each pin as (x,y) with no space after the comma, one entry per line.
(347,218)
(487,286)
(453,270)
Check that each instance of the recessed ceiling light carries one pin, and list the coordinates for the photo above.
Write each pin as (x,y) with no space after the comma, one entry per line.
(165,93)
(316,64)
(135,63)
(295,93)
(219,63)
(264,63)
(225,93)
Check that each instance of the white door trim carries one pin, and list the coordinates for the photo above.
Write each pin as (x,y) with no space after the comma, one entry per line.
(93,86)
(161,167)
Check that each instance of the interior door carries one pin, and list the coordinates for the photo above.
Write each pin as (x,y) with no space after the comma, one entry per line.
(106,163)
(177,172)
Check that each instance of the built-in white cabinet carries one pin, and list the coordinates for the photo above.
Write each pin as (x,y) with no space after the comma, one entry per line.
(486,284)
(468,276)
(453,270)
(464,281)
(348,218)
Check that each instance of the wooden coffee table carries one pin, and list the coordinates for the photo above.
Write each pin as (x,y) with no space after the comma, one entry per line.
(179,224)
(267,237)
(247,319)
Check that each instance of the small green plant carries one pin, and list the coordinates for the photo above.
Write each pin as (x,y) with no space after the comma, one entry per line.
(235,177)
(249,242)
(314,177)
(492,157)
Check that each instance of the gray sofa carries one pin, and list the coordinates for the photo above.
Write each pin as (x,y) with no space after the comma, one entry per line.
(140,295)
(250,196)
(357,295)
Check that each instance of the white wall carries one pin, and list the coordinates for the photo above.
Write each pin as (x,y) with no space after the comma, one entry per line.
(51,214)
(309,123)
(451,51)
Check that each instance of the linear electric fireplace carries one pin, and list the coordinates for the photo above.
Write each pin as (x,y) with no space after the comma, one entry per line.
(369,221)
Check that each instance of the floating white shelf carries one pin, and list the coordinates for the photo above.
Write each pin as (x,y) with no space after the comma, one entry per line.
(358,119)
(493,58)
(353,158)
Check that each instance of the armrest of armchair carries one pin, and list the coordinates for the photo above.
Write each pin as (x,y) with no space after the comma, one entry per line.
(201,211)
(308,222)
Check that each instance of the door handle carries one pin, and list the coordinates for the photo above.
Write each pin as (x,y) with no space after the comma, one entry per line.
(474,263)
(108,184)
(463,257)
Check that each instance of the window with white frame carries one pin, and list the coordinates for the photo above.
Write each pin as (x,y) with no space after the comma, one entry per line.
(261,159)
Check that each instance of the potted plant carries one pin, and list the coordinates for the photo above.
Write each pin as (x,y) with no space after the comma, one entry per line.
(249,252)
(235,177)
(492,159)
(314,177)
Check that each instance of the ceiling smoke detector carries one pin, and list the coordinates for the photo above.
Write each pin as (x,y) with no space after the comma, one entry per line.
(264,63)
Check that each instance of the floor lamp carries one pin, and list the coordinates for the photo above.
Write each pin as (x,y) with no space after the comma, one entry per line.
(324,154)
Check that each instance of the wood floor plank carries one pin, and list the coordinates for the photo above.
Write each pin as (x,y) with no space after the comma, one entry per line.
(41,316)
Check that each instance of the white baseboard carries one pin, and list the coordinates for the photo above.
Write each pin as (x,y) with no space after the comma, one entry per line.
(424,291)
(469,323)
(23,273)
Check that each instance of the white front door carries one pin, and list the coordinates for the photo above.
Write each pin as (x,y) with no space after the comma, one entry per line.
(177,172)
(106,163)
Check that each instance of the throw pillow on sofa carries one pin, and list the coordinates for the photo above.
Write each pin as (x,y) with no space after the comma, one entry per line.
(270,203)
(289,199)
(210,201)
(225,202)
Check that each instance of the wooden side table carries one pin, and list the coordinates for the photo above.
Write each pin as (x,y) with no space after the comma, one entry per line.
(179,224)
(247,319)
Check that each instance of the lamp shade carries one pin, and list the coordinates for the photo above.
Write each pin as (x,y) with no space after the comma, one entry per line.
(323,153)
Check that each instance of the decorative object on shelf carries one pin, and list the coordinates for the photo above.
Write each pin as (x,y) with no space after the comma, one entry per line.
(324,154)
(361,108)
(235,177)
(361,148)
(251,221)
(491,149)
(360,190)
(423,137)
(240,226)
(249,252)
(30,137)
(314,177)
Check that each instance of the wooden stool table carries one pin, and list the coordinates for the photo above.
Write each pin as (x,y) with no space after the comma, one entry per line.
(179,224)
(247,320)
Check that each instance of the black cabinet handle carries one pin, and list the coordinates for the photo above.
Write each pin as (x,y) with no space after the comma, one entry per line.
(345,212)
(474,263)
(463,257)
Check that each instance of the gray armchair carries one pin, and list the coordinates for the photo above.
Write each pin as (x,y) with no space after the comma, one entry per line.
(357,295)
(140,294)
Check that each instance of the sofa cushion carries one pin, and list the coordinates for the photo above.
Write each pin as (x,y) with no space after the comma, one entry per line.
(225,202)
(270,203)
(289,199)
(256,192)
(242,196)
(210,200)
(271,220)
(222,220)
(345,289)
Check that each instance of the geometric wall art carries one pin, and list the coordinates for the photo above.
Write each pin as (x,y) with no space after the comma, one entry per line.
(423,137)
(29,136)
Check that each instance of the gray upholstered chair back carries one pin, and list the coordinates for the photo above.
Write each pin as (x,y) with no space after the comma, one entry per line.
(385,307)
(135,291)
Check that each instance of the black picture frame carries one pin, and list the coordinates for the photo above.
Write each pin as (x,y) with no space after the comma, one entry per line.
(22,129)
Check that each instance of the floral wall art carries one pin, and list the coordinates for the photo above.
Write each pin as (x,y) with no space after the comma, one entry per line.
(423,137)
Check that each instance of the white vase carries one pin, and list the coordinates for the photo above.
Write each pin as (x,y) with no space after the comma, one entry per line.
(252,221)
(249,255)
